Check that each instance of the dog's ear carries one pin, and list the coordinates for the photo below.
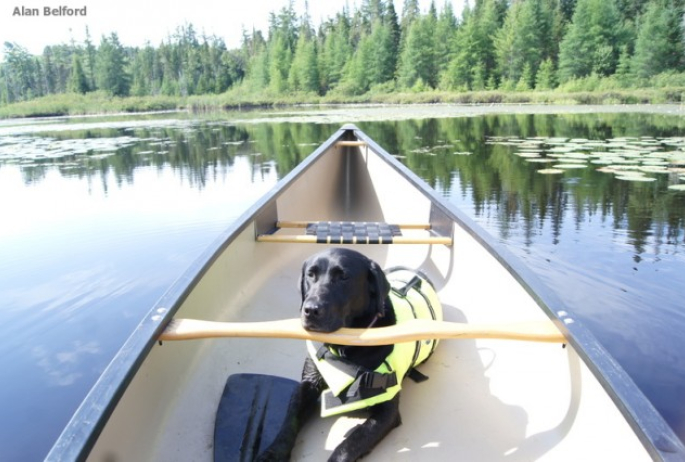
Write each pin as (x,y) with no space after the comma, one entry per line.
(379,287)
(303,281)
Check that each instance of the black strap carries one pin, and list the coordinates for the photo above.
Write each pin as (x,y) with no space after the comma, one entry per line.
(414,283)
(345,232)
(417,376)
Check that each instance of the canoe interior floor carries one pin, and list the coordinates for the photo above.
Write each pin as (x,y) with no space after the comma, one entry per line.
(486,400)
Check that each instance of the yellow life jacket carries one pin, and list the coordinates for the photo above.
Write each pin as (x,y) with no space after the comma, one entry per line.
(352,387)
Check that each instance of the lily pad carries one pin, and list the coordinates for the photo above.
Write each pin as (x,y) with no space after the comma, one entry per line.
(541,160)
(570,166)
(550,171)
(528,154)
(653,169)
(637,178)
(677,187)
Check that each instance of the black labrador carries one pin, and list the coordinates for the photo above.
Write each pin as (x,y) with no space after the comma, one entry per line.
(341,288)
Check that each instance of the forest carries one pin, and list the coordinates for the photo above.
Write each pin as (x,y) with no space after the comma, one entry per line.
(503,45)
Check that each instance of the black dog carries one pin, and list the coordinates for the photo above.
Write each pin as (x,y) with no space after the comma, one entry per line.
(341,288)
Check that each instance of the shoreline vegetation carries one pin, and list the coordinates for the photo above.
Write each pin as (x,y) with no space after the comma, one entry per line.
(101,103)
(569,52)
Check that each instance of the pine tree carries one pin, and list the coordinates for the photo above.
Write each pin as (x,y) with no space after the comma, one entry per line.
(280,58)
(545,78)
(90,59)
(79,82)
(659,44)
(111,67)
(304,73)
(383,62)
(473,44)
(593,40)
(417,60)
(336,53)
(445,28)
(520,41)
(49,78)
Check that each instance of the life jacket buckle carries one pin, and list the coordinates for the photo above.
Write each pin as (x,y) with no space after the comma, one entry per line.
(371,380)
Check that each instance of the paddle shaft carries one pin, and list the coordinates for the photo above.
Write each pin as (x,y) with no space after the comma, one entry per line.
(409,331)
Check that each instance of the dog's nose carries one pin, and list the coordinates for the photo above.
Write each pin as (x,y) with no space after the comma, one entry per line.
(311,309)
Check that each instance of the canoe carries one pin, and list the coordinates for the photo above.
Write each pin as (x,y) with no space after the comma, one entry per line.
(486,398)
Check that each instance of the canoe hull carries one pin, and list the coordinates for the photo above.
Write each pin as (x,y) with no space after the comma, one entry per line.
(485,400)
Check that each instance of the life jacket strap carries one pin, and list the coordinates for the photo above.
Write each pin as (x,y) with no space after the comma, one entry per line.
(366,382)
(414,283)
(368,385)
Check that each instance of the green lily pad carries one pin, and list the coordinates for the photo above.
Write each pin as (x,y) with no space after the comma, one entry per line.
(550,171)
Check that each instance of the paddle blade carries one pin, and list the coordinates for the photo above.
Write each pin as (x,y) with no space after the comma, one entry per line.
(251,411)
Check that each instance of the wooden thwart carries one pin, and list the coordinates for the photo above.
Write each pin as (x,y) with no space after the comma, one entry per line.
(340,232)
(350,143)
(408,331)
(307,239)
(304,224)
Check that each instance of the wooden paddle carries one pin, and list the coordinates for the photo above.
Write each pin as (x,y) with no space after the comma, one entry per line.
(409,331)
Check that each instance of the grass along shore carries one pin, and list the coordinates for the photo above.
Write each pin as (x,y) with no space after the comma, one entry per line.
(71,104)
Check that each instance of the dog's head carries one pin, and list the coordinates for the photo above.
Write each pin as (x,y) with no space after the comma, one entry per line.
(341,288)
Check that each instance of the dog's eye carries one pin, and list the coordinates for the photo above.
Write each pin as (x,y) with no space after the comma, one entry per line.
(338,274)
(312,272)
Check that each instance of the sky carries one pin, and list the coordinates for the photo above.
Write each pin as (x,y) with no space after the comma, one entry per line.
(138,21)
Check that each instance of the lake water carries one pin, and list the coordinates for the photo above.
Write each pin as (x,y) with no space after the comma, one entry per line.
(98,216)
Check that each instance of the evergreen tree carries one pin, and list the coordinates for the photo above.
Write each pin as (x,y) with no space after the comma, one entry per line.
(520,41)
(79,82)
(372,11)
(49,84)
(478,77)
(280,58)
(357,78)
(593,40)
(545,78)
(254,52)
(417,61)
(624,72)
(304,72)
(659,44)
(390,18)
(526,79)
(383,61)
(474,45)
(144,78)
(111,67)
(90,59)
(458,74)
(410,12)
(445,28)
(336,53)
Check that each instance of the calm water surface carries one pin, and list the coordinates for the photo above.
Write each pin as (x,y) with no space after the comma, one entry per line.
(100,215)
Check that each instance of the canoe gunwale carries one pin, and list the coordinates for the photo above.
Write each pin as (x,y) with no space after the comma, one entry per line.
(81,433)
